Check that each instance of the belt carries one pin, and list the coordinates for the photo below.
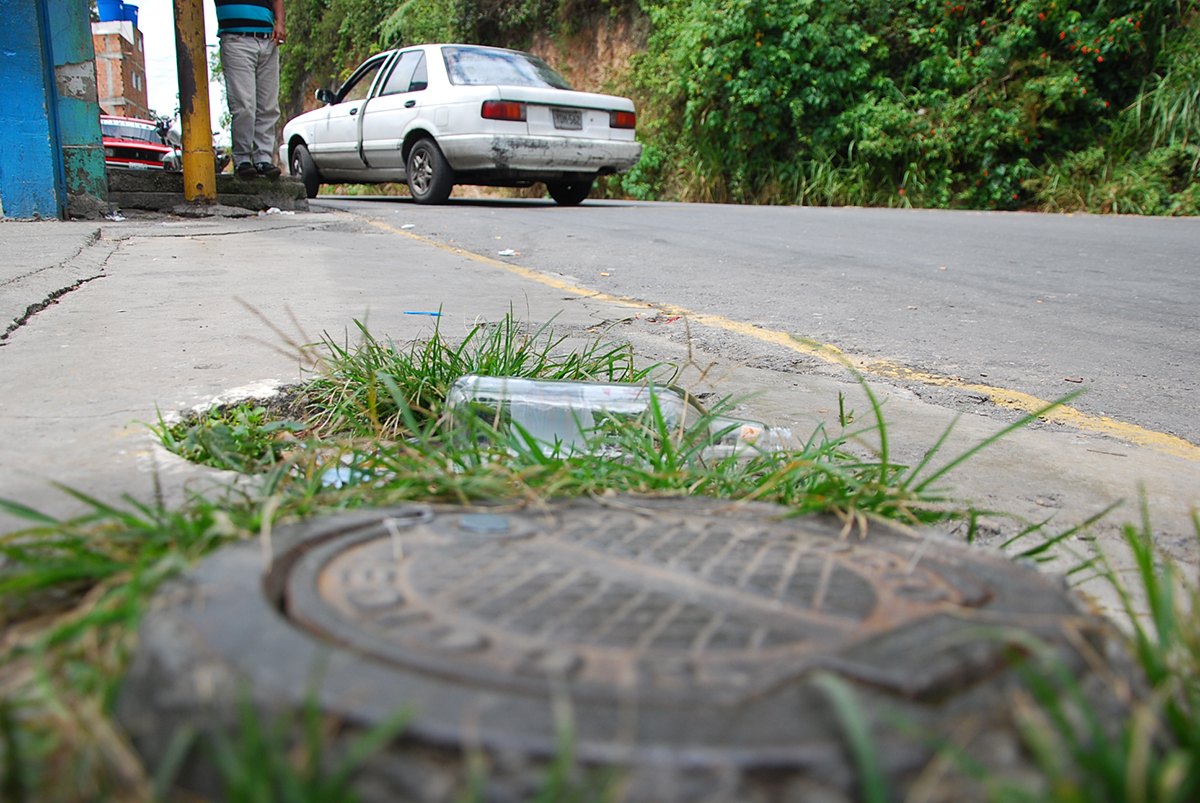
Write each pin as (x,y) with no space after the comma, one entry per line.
(255,34)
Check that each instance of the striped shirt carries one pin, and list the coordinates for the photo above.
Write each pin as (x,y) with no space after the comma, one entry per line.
(245,16)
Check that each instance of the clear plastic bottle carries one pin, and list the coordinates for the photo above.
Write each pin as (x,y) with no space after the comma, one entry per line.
(571,416)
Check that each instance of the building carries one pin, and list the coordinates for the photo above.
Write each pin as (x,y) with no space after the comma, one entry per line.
(120,69)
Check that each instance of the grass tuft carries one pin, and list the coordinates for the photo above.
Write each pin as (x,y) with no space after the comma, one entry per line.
(360,387)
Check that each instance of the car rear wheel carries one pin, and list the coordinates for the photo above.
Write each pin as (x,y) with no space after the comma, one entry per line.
(430,177)
(569,193)
(305,169)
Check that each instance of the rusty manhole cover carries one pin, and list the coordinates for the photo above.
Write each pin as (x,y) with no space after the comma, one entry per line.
(672,607)
(684,632)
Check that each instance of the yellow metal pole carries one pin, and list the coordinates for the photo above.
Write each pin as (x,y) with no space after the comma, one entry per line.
(199,170)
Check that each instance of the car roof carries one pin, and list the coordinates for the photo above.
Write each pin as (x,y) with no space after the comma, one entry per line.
(457,44)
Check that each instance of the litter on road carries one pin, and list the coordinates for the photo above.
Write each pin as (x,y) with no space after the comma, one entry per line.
(581,417)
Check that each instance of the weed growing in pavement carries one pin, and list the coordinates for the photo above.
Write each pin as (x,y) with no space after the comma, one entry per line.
(242,437)
(361,388)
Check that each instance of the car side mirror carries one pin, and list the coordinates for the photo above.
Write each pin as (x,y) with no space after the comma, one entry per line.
(325,96)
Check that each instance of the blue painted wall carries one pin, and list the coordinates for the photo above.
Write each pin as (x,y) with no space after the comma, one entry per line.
(30,167)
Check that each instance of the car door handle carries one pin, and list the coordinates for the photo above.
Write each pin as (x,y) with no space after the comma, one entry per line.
(408,104)
(354,111)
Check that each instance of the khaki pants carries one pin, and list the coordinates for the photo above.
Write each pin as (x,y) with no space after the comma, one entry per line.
(251,68)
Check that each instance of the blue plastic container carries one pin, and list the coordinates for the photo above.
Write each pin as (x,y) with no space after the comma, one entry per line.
(129,13)
(110,10)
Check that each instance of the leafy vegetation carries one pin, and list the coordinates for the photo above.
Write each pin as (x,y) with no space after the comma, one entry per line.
(243,437)
(987,105)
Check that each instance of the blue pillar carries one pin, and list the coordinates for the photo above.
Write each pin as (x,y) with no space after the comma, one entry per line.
(31,184)
(77,107)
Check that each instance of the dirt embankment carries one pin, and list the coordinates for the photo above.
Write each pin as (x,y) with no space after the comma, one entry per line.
(597,55)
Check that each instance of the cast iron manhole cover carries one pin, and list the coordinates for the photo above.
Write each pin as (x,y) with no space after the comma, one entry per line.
(665,607)
(683,632)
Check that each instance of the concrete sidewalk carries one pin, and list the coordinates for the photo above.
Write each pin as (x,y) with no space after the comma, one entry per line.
(167,314)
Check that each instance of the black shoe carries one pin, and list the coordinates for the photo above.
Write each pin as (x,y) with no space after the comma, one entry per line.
(246,170)
(267,170)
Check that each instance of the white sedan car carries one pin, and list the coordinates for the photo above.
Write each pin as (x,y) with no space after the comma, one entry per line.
(440,115)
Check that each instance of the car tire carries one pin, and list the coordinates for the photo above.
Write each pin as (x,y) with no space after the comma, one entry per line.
(569,193)
(430,177)
(305,169)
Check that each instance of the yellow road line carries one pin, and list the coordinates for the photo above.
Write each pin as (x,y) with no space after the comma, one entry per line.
(1014,400)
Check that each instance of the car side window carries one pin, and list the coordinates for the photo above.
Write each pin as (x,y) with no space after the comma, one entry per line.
(360,83)
(420,79)
(402,74)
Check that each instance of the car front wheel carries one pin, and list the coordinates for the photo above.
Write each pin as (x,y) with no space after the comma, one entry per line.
(305,169)
(430,177)
(569,193)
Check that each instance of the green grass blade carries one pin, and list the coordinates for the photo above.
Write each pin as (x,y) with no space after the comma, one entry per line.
(27,513)
(986,442)
(857,731)
(1049,543)
(12,780)
(172,760)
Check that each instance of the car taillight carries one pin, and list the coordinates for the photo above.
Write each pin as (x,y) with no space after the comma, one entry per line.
(503,110)
(622,120)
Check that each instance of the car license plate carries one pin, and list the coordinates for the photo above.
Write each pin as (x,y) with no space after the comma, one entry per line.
(569,119)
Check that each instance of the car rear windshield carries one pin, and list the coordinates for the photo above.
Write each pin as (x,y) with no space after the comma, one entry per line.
(139,133)
(478,66)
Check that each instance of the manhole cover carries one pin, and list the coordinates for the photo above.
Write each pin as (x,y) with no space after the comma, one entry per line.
(663,607)
(683,632)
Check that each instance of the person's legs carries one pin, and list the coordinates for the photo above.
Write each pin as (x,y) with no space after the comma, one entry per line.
(238,62)
(267,102)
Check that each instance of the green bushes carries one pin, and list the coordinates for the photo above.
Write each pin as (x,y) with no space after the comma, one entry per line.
(985,104)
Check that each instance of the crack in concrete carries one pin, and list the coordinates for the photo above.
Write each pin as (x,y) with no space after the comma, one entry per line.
(93,264)
(91,240)
(195,235)
(35,308)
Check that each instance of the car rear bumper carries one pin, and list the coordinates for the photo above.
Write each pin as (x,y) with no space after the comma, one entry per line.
(131,164)
(512,154)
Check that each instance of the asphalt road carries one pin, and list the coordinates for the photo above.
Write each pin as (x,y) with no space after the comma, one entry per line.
(1023,302)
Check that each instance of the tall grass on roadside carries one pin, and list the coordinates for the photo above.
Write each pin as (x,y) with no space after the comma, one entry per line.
(377,422)
(647,456)
(349,396)
(355,387)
